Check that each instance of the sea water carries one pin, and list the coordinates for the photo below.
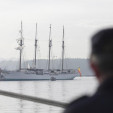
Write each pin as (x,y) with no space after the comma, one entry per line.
(63,91)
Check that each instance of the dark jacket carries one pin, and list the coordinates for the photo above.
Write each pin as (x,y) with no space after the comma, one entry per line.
(100,102)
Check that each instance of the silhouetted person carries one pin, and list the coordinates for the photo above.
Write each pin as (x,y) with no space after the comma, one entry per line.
(101,61)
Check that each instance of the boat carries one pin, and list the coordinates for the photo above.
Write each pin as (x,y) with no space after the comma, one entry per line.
(34,73)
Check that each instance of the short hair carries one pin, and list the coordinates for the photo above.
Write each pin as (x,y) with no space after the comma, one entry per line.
(102,50)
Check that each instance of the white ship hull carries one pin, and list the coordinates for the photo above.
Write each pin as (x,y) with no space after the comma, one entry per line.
(19,76)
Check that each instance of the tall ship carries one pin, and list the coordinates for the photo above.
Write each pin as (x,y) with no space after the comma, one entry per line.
(38,74)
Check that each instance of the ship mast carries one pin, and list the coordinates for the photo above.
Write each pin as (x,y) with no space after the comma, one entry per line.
(63,50)
(35,45)
(50,45)
(20,48)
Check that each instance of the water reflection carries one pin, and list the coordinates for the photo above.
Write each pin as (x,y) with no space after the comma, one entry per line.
(55,90)
(20,100)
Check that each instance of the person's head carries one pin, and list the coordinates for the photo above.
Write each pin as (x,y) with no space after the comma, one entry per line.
(101,58)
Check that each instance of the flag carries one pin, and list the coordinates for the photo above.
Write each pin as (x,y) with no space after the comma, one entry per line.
(79,72)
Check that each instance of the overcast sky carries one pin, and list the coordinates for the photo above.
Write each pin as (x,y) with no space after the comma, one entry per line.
(81,19)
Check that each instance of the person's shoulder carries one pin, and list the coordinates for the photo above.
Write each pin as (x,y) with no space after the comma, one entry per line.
(74,105)
(79,100)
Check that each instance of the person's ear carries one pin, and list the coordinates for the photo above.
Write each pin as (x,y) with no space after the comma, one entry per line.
(95,69)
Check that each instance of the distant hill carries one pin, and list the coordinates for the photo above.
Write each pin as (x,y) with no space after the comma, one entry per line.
(55,64)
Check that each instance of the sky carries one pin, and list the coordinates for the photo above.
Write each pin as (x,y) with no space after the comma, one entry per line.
(81,19)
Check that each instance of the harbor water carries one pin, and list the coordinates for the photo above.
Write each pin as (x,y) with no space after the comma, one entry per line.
(64,91)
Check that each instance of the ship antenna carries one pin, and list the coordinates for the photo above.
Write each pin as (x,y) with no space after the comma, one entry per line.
(36,45)
(50,45)
(63,50)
